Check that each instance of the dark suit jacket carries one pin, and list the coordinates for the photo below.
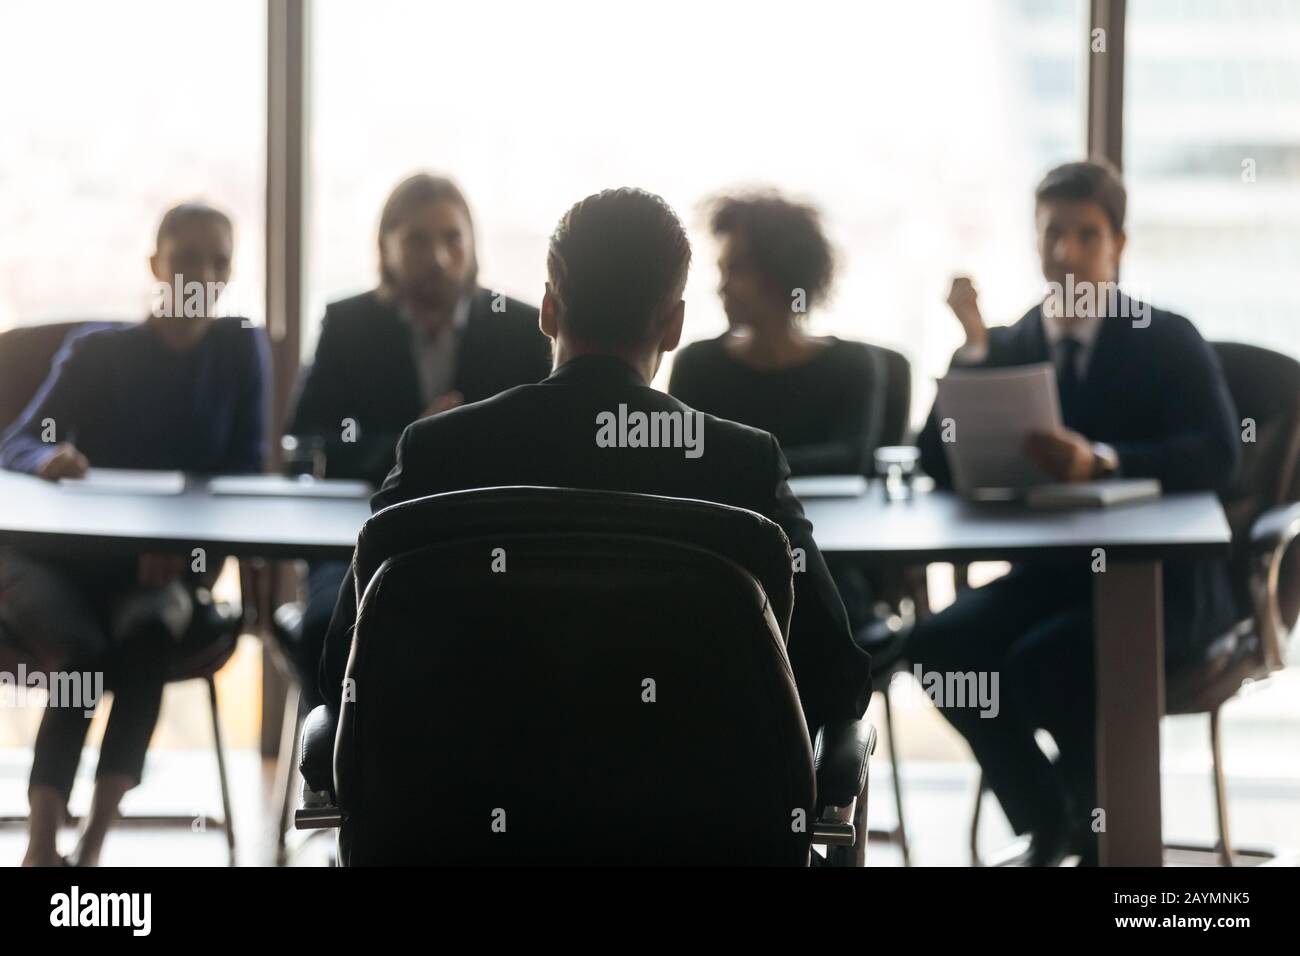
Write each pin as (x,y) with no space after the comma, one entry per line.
(1158,397)
(545,434)
(364,370)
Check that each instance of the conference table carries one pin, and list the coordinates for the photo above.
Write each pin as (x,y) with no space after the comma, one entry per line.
(51,518)
(930,527)
(1134,539)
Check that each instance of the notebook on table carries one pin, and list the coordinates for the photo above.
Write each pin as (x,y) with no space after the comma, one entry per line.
(1092,494)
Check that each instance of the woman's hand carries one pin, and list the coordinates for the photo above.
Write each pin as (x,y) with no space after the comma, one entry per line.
(66,462)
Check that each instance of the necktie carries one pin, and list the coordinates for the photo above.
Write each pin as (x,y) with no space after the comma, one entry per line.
(1068,381)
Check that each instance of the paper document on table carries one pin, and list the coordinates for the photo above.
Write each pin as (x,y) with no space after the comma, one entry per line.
(828,486)
(985,415)
(280,486)
(126,481)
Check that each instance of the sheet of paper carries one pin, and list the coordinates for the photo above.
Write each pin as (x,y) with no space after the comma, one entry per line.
(125,481)
(280,486)
(990,411)
(829,486)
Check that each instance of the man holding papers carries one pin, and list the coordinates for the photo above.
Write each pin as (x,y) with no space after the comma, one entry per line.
(1140,395)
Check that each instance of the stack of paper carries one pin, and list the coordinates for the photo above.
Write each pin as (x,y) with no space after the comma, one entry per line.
(123,481)
(986,414)
(1093,494)
(279,486)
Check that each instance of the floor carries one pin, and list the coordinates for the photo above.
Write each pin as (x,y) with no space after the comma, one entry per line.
(1261,730)
(938,799)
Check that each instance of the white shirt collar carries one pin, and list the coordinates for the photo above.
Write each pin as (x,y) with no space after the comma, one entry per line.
(459,318)
(1084,331)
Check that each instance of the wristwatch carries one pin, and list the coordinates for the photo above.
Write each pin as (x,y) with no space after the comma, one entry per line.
(1105,461)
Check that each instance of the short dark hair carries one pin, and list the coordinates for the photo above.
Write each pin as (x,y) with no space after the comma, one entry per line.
(785,239)
(616,260)
(1096,181)
(173,219)
(407,196)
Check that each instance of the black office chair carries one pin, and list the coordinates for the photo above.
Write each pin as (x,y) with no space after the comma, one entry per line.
(895,419)
(1263,510)
(548,675)
(26,355)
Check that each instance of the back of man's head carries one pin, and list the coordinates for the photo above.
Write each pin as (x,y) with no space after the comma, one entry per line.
(617,264)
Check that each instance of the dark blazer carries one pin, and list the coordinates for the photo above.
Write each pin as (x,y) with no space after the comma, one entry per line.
(364,370)
(545,434)
(1155,394)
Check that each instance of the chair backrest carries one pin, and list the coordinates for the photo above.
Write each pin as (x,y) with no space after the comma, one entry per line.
(897,413)
(1265,387)
(559,676)
(26,354)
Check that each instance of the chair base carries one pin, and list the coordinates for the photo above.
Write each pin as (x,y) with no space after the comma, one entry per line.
(1208,854)
(225,823)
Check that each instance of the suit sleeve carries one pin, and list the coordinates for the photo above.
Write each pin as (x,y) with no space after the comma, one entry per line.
(59,400)
(1199,447)
(323,405)
(934,460)
(312,414)
(832,674)
(338,637)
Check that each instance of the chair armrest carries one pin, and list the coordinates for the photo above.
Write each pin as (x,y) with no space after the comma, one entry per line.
(1275,530)
(840,760)
(1275,600)
(316,756)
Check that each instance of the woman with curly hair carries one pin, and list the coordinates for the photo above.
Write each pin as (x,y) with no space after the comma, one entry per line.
(820,396)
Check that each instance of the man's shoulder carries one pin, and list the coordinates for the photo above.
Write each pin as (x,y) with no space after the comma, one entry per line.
(1144,329)
(354,310)
(1163,320)
(502,312)
(506,406)
(527,403)
(1028,324)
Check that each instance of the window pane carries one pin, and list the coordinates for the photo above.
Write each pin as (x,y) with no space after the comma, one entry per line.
(533,106)
(1212,157)
(106,125)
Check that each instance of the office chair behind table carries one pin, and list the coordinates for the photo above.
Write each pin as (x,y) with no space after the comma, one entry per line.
(1263,509)
(26,354)
(547,675)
